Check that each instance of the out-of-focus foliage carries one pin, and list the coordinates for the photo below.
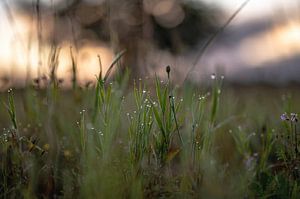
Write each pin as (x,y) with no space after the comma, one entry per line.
(135,25)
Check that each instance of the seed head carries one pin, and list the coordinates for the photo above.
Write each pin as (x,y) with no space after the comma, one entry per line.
(168,69)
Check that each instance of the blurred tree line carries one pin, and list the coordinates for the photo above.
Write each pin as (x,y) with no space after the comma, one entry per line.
(136,25)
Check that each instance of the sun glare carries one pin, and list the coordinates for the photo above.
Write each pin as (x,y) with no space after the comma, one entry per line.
(280,42)
(19,53)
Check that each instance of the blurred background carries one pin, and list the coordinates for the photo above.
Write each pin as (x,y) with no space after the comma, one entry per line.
(261,44)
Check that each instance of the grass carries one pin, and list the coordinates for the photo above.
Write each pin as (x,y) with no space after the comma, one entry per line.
(148,140)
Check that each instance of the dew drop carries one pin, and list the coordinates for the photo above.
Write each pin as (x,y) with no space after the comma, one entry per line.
(213,76)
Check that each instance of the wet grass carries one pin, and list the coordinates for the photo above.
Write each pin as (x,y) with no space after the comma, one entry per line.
(148,138)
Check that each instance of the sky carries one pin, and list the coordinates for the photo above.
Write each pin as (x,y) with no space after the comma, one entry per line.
(256,9)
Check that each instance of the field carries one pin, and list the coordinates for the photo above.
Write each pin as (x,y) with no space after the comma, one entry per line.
(148,138)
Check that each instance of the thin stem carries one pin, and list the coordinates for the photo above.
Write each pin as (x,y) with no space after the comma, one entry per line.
(296,141)
(175,119)
(213,37)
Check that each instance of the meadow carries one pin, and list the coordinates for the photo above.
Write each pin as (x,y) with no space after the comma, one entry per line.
(148,138)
